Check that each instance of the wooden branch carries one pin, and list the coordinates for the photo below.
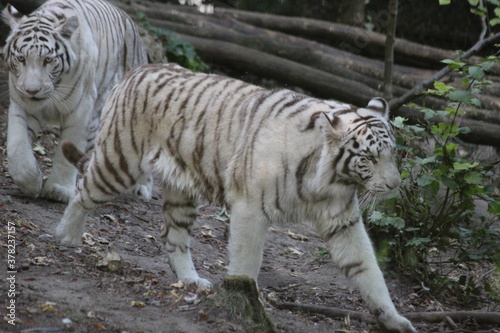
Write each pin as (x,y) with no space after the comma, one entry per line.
(484,318)
(410,95)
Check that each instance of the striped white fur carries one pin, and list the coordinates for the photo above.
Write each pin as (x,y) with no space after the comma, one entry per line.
(63,59)
(271,156)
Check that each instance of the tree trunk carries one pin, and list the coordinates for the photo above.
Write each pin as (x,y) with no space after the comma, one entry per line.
(389,48)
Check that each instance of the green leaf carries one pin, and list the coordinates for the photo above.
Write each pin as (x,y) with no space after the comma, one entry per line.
(473,177)
(449,183)
(451,147)
(431,189)
(494,208)
(476,72)
(425,180)
(426,160)
(495,21)
(396,222)
(454,64)
(398,122)
(464,166)
(444,2)
(418,241)
(375,216)
(461,96)
(487,65)
(441,86)
(473,2)
(476,102)
(428,113)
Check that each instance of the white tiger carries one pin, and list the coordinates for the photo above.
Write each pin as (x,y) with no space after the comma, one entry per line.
(271,156)
(63,60)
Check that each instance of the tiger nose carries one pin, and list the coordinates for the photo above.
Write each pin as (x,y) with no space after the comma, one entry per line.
(32,91)
(393,183)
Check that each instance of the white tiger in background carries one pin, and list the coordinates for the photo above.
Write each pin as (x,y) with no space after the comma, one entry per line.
(271,156)
(63,60)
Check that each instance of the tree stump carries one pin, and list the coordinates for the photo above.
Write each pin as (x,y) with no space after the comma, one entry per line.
(243,294)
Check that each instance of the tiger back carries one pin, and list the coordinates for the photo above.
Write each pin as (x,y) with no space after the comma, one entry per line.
(271,156)
(63,60)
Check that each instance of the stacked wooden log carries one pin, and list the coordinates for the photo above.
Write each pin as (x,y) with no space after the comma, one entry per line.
(327,60)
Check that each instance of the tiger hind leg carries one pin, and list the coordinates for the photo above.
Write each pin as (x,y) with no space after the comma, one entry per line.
(95,188)
(70,228)
(352,252)
(179,215)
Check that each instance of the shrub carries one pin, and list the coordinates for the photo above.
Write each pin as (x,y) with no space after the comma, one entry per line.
(433,228)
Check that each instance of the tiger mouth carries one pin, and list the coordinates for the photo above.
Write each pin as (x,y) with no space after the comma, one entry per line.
(36,99)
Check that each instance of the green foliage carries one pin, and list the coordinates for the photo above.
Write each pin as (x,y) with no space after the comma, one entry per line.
(435,230)
(177,50)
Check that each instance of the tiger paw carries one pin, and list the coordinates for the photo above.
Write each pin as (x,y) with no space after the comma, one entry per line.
(143,189)
(29,180)
(141,192)
(69,236)
(57,192)
(396,323)
(201,284)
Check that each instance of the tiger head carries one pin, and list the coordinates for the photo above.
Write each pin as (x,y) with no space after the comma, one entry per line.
(363,148)
(37,52)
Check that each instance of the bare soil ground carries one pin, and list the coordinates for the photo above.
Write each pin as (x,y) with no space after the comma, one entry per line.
(61,289)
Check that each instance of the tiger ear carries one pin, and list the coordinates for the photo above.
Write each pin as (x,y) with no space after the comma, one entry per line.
(330,125)
(379,105)
(11,16)
(68,28)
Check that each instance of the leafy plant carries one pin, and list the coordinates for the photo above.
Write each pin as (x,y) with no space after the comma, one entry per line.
(177,50)
(435,228)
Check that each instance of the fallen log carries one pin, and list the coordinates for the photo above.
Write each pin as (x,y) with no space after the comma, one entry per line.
(353,39)
(483,318)
(295,48)
(301,52)
(318,82)
(319,69)
(367,71)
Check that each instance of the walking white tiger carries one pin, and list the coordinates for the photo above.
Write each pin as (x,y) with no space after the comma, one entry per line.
(63,59)
(271,156)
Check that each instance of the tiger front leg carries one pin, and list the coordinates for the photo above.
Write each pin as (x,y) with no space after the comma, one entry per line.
(248,231)
(351,250)
(60,184)
(179,215)
(22,130)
